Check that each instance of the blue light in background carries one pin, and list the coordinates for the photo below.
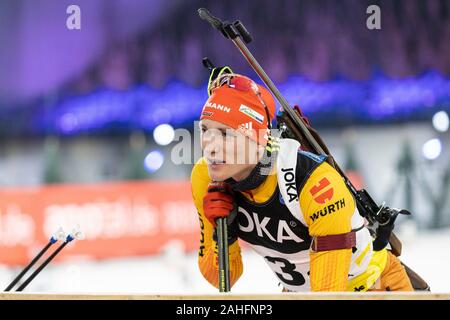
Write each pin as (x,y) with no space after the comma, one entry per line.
(337,102)
(68,122)
(153,161)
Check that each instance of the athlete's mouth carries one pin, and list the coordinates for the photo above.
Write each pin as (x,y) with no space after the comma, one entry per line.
(213,162)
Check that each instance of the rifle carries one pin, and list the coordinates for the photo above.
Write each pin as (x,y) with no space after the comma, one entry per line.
(292,124)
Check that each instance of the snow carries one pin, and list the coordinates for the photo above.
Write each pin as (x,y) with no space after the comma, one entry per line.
(174,272)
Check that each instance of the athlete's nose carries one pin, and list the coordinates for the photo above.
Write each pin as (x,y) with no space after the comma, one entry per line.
(210,149)
(211,141)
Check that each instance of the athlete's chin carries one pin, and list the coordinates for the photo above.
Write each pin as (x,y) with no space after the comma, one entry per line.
(218,172)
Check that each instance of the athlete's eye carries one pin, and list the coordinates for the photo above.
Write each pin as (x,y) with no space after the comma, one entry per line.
(223,133)
(230,135)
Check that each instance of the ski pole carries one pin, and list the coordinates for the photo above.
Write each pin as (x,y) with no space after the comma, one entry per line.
(226,256)
(76,234)
(222,244)
(59,235)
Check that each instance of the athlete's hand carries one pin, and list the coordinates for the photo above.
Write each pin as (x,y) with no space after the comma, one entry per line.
(218,202)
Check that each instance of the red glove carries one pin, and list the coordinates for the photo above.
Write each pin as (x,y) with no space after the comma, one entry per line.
(218,202)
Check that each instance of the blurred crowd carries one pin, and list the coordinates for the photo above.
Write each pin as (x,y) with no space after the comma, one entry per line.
(320,40)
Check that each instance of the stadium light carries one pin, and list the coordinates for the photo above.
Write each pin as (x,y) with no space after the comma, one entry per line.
(153,161)
(441,121)
(432,149)
(163,134)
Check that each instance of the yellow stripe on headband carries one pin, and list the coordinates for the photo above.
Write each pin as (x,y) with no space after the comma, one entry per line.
(210,81)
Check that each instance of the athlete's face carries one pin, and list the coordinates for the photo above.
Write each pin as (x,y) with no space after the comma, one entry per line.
(228,153)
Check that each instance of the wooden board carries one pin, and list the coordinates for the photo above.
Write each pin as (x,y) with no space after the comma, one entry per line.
(230,296)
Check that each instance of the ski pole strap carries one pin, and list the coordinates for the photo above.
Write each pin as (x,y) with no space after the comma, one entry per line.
(334,242)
